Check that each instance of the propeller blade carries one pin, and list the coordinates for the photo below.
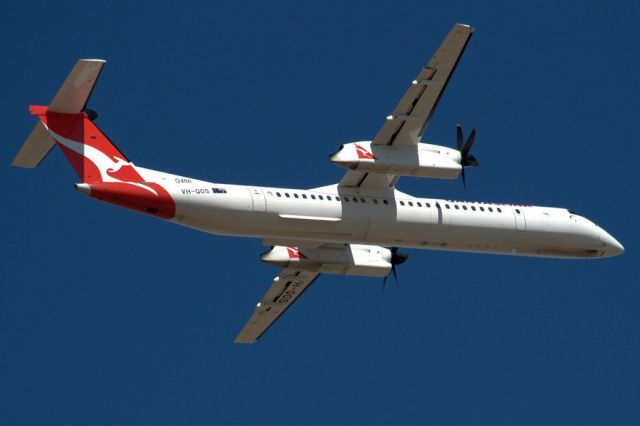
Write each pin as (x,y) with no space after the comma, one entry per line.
(459,137)
(466,159)
(470,161)
(467,146)
(396,259)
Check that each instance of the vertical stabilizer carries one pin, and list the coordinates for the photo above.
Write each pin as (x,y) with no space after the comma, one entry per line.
(71,99)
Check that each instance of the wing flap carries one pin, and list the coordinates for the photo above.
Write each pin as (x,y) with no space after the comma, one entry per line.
(368,180)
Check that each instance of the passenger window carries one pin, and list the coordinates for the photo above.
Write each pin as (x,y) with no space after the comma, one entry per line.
(456,207)
(286,194)
(473,208)
(447,206)
(490,209)
(402,203)
(363,200)
(355,200)
(385,201)
(499,209)
(337,198)
(419,204)
(304,196)
(481,209)
(375,201)
(278,194)
(270,194)
(464,207)
(410,203)
(427,205)
(313,197)
(518,211)
(295,195)
(346,199)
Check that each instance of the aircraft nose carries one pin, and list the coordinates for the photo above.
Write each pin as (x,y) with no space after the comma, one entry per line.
(612,246)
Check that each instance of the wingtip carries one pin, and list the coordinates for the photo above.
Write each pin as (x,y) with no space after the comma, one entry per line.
(472,29)
(103,61)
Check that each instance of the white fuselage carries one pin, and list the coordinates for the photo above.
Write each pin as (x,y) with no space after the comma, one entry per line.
(331,214)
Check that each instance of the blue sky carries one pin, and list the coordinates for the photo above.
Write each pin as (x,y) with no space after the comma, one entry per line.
(111,317)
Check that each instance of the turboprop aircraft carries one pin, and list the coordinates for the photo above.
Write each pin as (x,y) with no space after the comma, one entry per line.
(353,227)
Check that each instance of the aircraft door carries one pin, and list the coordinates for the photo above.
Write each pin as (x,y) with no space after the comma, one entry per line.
(441,216)
(521,222)
(259,202)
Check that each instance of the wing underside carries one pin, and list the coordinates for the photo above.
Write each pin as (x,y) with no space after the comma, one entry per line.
(408,121)
(406,124)
(285,290)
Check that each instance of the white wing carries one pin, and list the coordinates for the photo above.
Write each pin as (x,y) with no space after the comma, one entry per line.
(285,290)
(408,121)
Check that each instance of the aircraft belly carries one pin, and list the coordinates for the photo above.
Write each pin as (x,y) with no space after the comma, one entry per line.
(329,221)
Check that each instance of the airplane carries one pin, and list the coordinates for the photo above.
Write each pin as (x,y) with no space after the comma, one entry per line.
(354,227)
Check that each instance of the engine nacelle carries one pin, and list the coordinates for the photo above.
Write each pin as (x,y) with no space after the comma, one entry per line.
(348,259)
(427,161)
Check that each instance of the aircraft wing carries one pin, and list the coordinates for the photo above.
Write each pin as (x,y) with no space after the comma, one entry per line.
(285,290)
(408,121)
(366,180)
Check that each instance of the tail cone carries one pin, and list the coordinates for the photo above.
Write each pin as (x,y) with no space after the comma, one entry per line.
(84,188)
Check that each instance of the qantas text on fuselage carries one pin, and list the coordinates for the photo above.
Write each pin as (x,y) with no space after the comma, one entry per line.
(353,227)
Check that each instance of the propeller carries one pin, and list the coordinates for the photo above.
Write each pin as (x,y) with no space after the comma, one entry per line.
(396,259)
(466,159)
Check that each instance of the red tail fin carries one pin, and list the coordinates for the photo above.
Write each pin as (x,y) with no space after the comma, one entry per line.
(90,152)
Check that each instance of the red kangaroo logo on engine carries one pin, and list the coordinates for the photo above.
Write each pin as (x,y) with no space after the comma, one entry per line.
(294,253)
(363,154)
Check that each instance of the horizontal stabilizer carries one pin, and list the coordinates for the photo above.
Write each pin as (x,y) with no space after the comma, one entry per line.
(35,148)
(75,91)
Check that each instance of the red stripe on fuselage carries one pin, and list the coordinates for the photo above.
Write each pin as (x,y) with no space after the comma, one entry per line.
(136,196)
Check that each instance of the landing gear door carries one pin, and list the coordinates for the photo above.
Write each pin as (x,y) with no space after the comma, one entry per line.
(521,222)
(257,197)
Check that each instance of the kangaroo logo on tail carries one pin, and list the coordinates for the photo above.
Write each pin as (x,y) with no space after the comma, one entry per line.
(105,172)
